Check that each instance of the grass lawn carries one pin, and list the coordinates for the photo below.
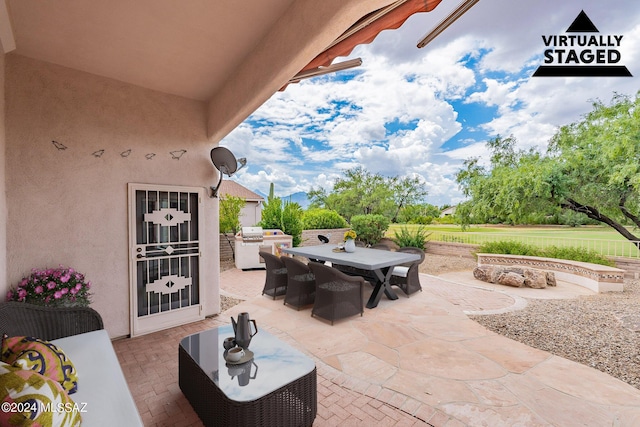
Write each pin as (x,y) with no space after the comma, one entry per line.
(598,238)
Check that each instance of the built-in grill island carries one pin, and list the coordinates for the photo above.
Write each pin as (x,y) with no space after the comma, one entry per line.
(251,240)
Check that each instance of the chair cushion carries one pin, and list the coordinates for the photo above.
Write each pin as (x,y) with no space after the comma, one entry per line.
(40,356)
(280,271)
(34,400)
(308,277)
(336,286)
(400,270)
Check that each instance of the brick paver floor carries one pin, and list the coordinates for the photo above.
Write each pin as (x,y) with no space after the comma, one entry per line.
(412,361)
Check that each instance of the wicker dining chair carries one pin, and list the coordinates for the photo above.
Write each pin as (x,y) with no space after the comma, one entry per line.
(47,323)
(406,276)
(275,283)
(338,295)
(301,283)
(323,240)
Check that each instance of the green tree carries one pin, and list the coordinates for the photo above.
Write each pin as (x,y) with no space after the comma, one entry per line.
(230,208)
(406,192)
(360,192)
(318,199)
(591,167)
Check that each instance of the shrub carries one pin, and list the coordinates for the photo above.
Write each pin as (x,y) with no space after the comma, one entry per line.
(370,228)
(272,213)
(424,220)
(417,214)
(230,209)
(317,219)
(575,219)
(449,219)
(287,218)
(510,247)
(416,239)
(576,254)
(292,221)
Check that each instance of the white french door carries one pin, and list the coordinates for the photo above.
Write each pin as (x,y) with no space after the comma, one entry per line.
(165,226)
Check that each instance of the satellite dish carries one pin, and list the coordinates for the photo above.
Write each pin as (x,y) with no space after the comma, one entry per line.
(226,163)
(224,160)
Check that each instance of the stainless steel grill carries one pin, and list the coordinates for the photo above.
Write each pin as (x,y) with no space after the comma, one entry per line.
(252,234)
(251,240)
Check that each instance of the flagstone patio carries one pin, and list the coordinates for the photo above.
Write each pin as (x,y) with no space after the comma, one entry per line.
(413,361)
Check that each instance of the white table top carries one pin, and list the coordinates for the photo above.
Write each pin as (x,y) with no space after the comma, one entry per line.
(364,258)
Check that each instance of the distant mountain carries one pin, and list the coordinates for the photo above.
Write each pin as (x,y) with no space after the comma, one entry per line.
(300,198)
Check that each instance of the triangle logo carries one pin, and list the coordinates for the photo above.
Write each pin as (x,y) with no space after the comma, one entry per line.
(582,24)
(582,55)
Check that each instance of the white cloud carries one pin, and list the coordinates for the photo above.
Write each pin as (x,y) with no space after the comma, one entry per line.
(398,113)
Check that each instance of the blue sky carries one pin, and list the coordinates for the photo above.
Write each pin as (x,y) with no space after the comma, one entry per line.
(422,112)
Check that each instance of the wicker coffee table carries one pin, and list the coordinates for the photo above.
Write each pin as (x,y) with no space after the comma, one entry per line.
(277,387)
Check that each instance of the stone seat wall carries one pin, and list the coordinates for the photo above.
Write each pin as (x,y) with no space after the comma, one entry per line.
(598,278)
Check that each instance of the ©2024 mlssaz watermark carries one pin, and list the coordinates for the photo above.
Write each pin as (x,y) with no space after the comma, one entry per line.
(582,52)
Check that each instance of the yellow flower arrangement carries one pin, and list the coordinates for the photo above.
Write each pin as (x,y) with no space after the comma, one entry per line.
(350,235)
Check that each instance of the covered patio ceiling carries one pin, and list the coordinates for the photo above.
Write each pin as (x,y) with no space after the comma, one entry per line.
(232,55)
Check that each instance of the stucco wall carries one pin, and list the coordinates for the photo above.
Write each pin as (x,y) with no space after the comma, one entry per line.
(4,287)
(251,214)
(68,200)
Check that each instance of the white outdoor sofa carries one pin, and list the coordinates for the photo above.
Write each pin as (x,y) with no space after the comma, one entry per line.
(103,394)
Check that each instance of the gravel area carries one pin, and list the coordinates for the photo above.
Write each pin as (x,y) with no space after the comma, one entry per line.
(226,302)
(601,331)
(438,264)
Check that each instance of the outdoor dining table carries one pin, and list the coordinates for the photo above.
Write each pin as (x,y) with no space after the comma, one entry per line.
(378,261)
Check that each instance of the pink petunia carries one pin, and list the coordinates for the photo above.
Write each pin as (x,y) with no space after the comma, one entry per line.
(23,283)
(74,291)
(78,286)
(65,278)
(22,293)
(38,290)
(51,285)
(64,291)
(88,285)
(9,295)
(57,295)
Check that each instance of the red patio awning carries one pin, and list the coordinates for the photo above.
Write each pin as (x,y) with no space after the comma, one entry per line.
(368,27)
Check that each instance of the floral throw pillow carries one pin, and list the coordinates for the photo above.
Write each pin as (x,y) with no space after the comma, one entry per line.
(33,400)
(41,356)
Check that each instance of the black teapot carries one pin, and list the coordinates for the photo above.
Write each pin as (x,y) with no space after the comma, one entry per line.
(242,329)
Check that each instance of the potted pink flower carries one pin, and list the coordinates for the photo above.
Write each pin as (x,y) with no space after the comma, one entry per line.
(62,287)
